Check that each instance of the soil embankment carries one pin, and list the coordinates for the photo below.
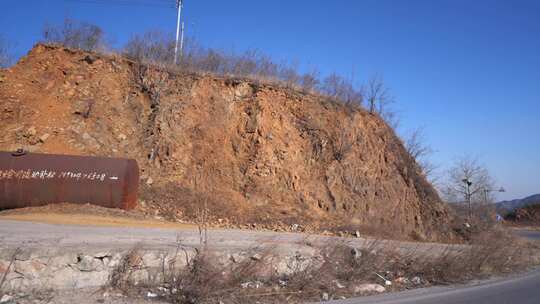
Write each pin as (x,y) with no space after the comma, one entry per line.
(252,154)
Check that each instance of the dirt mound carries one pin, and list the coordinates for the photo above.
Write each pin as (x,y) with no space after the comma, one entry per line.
(528,215)
(252,153)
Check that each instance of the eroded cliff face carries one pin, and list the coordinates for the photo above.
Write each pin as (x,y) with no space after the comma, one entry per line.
(251,153)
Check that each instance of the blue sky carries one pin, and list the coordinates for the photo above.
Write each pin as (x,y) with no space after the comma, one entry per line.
(467,71)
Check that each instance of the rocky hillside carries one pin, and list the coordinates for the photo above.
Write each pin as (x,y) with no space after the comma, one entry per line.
(251,153)
(528,215)
(506,207)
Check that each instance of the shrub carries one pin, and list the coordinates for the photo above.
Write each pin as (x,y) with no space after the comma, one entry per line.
(75,34)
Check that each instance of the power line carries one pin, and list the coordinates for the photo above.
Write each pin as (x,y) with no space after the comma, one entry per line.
(130,3)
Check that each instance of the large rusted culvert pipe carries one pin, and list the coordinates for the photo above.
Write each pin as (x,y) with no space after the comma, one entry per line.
(33,179)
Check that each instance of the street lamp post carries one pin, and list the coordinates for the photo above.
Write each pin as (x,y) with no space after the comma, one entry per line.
(486,192)
(468,194)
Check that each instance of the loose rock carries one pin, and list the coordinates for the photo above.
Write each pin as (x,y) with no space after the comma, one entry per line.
(325,296)
(368,288)
(6,299)
(256,257)
(44,137)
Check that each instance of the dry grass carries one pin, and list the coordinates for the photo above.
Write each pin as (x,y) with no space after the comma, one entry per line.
(7,271)
(336,269)
(121,275)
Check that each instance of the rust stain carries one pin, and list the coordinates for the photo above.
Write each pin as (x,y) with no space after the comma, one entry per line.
(33,179)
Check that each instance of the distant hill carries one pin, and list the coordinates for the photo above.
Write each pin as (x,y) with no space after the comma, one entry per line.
(528,215)
(509,206)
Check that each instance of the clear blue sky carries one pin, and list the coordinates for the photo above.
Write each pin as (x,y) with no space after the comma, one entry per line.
(469,71)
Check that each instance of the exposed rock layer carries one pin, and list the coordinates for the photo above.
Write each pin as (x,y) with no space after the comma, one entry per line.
(250,153)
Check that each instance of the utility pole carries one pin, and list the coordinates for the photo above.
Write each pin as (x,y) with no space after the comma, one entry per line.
(179,4)
(486,192)
(468,195)
(182,41)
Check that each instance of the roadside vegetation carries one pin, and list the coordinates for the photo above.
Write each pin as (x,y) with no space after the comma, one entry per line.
(5,52)
(337,270)
(156,48)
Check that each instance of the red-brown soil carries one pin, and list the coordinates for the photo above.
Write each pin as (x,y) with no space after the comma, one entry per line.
(252,153)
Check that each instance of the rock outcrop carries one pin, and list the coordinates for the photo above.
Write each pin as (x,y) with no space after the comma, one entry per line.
(248,152)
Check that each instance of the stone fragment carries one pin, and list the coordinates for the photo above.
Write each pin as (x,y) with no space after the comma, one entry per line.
(86,136)
(88,263)
(356,253)
(416,280)
(31,131)
(82,107)
(369,288)
(254,284)
(402,280)
(237,257)
(339,285)
(6,299)
(325,296)
(44,137)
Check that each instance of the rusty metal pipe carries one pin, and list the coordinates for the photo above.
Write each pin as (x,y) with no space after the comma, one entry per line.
(33,179)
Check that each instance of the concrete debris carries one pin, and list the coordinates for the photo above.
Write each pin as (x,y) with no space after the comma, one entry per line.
(416,280)
(6,299)
(325,296)
(255,284)
(369,288)
(151,295)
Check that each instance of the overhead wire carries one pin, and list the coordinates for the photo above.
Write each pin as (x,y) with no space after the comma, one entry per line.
(131,3)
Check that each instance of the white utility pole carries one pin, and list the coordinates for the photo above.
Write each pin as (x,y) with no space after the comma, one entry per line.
(182,41)
(179,4)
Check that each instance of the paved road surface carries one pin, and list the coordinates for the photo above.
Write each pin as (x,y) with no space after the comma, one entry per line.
(521,289)
(529,234)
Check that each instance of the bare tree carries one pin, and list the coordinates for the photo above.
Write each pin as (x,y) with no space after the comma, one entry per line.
(377,95)
(379,100)
(75,34)
(467,179)
(341,89)
(310,80)
(5,56)
(153,46)
(421,152)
